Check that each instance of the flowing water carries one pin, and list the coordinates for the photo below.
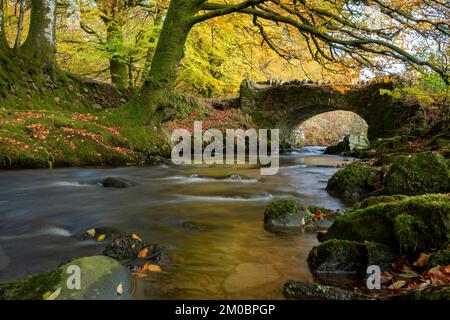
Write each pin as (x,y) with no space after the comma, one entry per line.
(210,219)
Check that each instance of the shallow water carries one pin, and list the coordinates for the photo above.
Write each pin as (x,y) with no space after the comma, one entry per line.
(228,255)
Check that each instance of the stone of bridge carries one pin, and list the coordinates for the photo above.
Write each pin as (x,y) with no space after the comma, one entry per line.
(286,105)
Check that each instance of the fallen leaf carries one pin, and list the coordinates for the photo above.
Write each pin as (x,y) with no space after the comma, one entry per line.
(447,269)
(145,270)
(386,277)
(437,276)
(101,237)
(54,295)
(136,237)
(409,275)
(120,289)
(302,222)
(143,253)
(397,285)
(91,232)
(422,261)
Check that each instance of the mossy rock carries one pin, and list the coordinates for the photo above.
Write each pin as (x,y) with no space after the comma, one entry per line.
(338,256)
(353,183)
(380,255)
(414,224)
(349,145)
(377,200)
(102,278)
(286,213)
(415,174)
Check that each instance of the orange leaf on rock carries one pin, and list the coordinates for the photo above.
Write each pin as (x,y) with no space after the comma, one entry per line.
(143,253)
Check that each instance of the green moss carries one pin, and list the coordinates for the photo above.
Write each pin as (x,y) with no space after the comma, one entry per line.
(417,174)
(338,256)
(353,183)
(31,288)
(415,224)
(285,212)
(377,200)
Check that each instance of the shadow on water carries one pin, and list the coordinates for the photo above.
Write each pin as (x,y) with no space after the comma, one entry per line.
(209,218)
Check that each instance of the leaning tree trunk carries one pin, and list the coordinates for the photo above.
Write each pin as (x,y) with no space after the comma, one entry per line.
(166,59)
(39,47)
(117,63)
(153,41)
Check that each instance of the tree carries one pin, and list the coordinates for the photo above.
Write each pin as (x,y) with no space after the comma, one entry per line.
(334,30)
(3,42)
(39,46)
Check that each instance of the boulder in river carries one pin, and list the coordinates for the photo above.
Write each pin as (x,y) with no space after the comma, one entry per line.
(286,213)
(420,173)
(118,183)
(354,182)
(125,246)
(338,256)
(349,145)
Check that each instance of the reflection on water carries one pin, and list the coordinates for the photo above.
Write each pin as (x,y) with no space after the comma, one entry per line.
(209,218)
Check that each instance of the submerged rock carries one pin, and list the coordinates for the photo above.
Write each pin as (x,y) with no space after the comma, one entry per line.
(286,213)
(349,145)
(118,183)
(353,183)
(308,291)
(412,225)
(415,174)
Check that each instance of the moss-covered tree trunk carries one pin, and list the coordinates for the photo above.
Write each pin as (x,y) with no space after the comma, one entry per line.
(166,59)
(39,47)
(153,41)
(117,62)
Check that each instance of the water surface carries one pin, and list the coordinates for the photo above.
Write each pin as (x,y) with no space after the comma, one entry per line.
(209,219)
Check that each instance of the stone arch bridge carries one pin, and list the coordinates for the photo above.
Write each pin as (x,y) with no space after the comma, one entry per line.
(286,105)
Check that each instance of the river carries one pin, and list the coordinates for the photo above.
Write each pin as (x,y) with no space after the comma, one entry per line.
(209,219)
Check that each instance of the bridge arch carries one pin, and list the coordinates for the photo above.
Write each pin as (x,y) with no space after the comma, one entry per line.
(286,105)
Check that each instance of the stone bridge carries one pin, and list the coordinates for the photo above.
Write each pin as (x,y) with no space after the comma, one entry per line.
(286,105)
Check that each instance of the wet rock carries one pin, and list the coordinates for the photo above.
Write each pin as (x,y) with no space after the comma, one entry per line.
(338,256)
(125,246)
(118,183)
(412,225)
(380,255)
(286,213)
(415,174)
(349,145)
(353,183)
(308,291)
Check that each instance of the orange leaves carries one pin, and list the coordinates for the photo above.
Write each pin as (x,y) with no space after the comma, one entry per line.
(38,131)
(439,276)
(143,253)
(146,270)
(422,261)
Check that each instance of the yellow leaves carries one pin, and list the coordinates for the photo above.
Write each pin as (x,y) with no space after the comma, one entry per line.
(136,237)
(52,296)
(147,269)
(119,289)
(91,232)
(143,253)
(101,237)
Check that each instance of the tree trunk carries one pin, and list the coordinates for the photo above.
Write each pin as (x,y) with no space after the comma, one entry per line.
(168,54)
(153,41)
(117,63)
(3,41)
(40,44)
(20,25)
